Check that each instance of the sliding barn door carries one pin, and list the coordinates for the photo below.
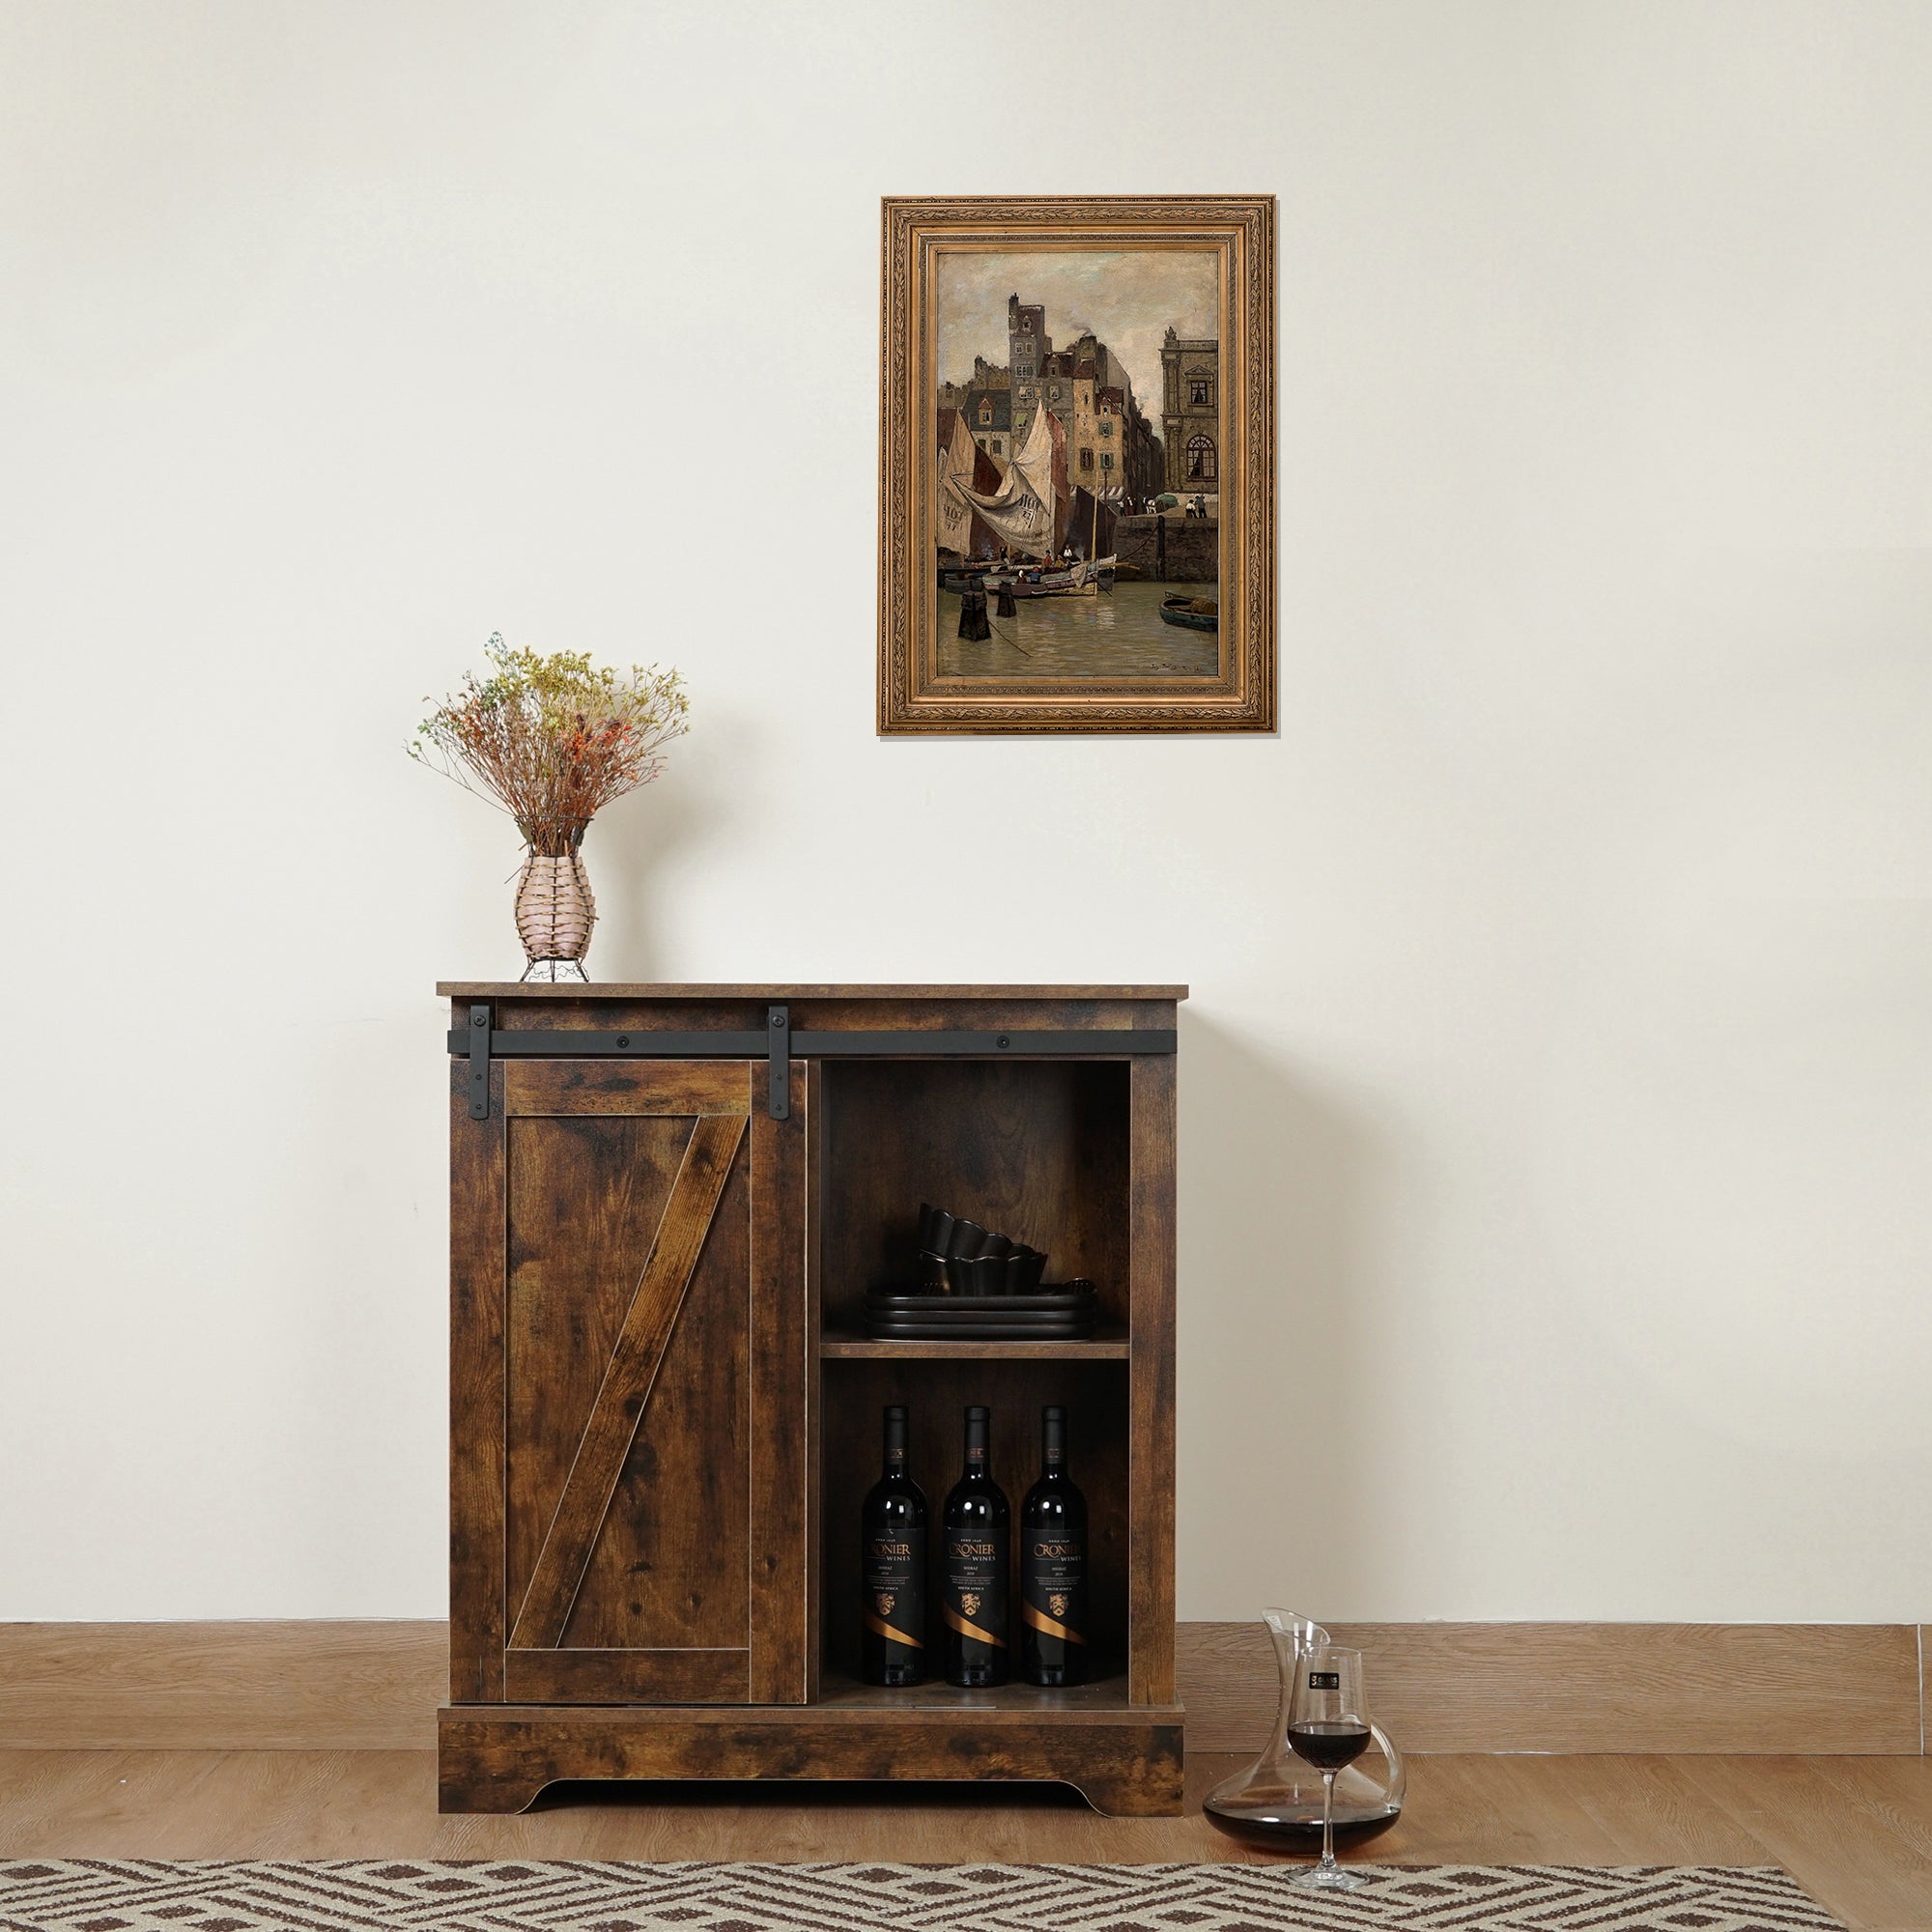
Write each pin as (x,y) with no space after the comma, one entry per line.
(631,1344)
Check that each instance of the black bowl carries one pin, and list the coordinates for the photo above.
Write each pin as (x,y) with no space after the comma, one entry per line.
(988,1274)
(932,1275)
(1024,1269)
(976,1275)
(967,1239)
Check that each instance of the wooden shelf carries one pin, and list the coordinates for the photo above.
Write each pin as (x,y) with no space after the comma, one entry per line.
(1108,1345)
(922,1701)
(765,989)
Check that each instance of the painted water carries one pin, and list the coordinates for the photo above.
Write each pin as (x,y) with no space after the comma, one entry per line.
(1118,634)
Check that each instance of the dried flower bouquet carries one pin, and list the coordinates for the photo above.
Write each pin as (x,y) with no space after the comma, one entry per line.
(553,740)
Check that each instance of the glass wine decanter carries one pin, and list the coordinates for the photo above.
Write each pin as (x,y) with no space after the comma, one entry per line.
(1276,1803)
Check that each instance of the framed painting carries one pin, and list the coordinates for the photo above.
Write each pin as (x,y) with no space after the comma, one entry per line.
(1076,469)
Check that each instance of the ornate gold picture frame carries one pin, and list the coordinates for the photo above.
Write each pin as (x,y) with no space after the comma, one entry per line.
(1076,467)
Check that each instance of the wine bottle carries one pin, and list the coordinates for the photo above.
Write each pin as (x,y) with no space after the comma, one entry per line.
(893,1533)
(977,1560)
(1053,1566)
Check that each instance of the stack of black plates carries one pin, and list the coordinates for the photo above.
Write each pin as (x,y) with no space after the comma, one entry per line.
(1051,1315)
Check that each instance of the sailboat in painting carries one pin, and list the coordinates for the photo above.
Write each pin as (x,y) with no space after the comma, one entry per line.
(1019,512)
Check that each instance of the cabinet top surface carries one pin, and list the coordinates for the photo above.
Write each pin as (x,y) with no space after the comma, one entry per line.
(517,989)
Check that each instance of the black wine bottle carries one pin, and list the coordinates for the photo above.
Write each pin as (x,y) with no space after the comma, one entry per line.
(893,1534)
(976,1568)
(1053,1566)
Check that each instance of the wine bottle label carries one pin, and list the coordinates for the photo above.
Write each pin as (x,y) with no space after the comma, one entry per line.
(895,1584)
(1053,1586)
(975,1585)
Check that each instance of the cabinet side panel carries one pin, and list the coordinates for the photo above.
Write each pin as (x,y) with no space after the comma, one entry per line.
(814,1385)
(1151,1448)
(476,1280)
(780,1363)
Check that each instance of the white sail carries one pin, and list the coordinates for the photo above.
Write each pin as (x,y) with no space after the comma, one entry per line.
(951,513)
(1036,462)
(1020,512)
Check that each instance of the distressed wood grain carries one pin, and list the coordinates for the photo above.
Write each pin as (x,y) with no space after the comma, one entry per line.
(612,1421)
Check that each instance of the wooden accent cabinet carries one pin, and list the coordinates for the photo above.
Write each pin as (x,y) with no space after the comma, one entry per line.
(667,1206)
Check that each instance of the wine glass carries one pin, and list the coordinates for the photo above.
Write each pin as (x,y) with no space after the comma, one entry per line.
(1329,1728)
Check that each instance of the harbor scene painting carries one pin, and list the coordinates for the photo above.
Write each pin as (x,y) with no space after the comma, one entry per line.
(1078,462)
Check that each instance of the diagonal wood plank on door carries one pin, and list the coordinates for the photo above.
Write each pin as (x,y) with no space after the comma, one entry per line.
(612,1422)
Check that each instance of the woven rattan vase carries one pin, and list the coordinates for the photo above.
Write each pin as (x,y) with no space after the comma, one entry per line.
(554,915)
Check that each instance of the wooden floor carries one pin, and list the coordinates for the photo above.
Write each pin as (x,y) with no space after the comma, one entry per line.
(1855,1832)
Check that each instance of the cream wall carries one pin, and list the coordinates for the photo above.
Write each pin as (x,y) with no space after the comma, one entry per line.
(1555,1222)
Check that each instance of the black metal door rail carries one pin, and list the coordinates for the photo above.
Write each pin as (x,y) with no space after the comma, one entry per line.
(480,1042)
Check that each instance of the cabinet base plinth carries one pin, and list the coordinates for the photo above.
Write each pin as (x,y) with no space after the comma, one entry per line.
(1125,1761)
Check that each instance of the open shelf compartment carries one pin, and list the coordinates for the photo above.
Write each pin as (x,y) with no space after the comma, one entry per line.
(1037,1150)
(936,1394)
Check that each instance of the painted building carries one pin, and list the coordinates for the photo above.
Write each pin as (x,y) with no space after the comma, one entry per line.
(1146,459)
(1190,417)
(1107,370)
(1122,428)
(1083,425)
(986,376)
(1110,434)
(1028,345)
(989,421)
(1111,448)
(1066,390)
(1106,425)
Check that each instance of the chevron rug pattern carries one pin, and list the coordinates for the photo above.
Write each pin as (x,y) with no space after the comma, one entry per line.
(505,1895)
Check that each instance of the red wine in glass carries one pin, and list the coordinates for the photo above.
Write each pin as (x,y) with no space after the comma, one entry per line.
(1328,1746)
(1328,1728)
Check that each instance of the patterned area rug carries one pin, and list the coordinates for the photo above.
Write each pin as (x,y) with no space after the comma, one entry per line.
(497,1895)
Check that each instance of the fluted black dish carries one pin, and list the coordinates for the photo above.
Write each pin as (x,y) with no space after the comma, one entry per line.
(976,1275)
(951,1248)
(989,1274)
(1024,1269)
(966,1240)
